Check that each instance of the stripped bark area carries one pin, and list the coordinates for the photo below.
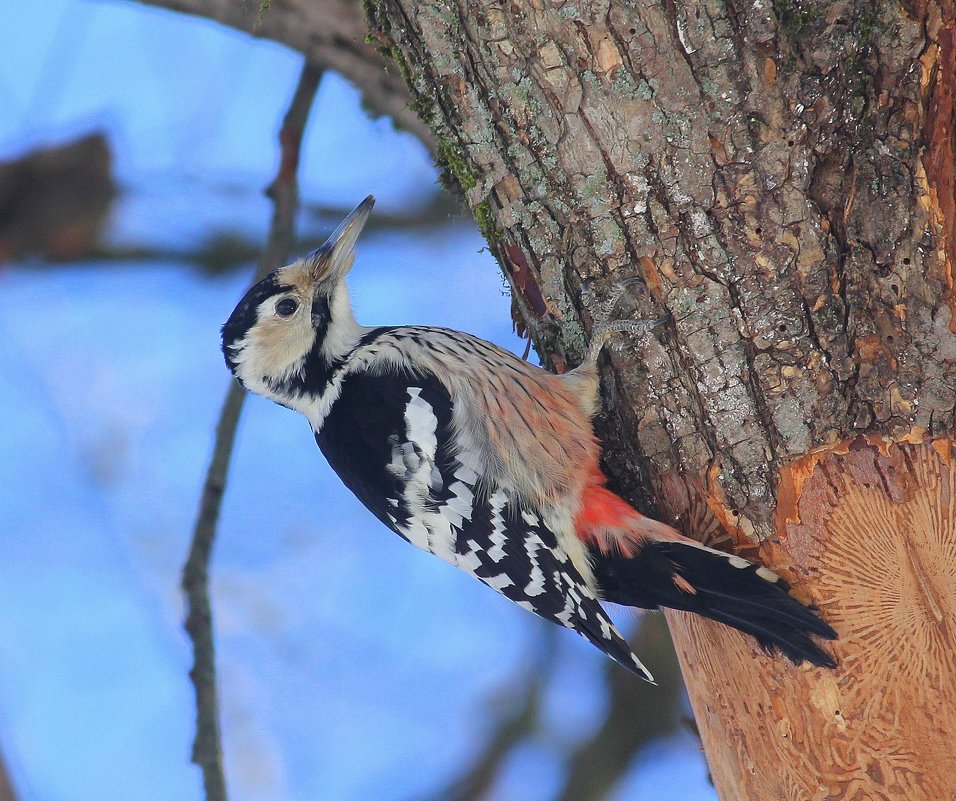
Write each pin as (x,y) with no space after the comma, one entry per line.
(868,532)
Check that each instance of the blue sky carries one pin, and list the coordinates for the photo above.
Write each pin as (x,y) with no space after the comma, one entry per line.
(352,666)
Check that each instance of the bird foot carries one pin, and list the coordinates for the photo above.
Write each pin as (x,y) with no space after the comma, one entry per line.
(604,326)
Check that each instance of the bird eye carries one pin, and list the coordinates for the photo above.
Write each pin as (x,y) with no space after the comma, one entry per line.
(287,307)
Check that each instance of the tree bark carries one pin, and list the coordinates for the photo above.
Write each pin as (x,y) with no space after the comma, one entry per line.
(780,174)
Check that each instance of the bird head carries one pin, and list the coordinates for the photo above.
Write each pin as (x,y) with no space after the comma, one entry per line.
(292,326)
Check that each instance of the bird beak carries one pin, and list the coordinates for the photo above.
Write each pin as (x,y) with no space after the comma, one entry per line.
(334,259)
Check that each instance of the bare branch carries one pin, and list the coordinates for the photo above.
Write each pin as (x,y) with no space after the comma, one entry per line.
(7,793)
(330,33)
(207,746)
(226,250)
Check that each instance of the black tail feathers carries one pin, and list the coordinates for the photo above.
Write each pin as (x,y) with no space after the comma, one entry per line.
(725,588)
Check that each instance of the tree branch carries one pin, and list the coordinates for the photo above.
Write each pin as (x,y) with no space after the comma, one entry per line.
(228,249)
(207,746)
(330,33)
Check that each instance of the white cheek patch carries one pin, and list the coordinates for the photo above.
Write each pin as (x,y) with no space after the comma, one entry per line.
(274,350)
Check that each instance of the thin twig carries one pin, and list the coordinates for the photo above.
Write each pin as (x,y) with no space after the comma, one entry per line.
(207,746)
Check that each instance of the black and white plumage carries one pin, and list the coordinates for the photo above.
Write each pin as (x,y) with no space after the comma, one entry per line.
(390,439)
(486,461)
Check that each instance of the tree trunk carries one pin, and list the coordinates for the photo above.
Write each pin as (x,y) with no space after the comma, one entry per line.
(781,176)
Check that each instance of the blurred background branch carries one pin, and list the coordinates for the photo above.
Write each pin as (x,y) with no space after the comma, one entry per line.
(230,249)
(207,747)
(637,714)
(54,200)
(519,705)
(55,203)
(7,793)
(331,33)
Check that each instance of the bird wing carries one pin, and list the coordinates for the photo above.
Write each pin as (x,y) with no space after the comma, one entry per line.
(390,439)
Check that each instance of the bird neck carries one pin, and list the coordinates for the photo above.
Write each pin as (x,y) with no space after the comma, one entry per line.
(342,333)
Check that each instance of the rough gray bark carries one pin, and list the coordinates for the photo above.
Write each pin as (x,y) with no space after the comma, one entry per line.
(761,177)
(781,175)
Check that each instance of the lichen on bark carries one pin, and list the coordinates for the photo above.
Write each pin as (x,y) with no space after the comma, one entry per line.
(757,169)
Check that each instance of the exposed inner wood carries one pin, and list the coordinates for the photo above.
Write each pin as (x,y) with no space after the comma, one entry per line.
(871,538)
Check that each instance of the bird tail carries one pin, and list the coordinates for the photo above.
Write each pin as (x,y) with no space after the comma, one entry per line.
(720,586)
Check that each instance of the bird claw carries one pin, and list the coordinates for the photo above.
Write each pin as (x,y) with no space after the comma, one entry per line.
(634,279)
(604,326)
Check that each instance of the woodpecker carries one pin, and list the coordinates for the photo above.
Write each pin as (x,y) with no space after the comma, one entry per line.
(489,462)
